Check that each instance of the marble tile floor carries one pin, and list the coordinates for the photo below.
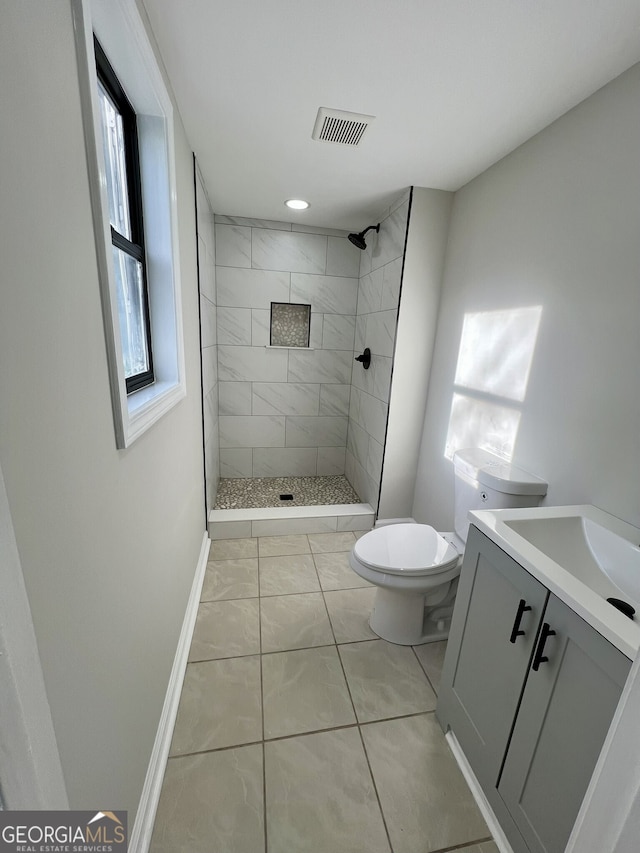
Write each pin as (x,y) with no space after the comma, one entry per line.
(300,731)
(250,492)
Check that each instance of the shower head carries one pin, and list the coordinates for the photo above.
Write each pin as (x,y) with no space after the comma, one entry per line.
(358,239)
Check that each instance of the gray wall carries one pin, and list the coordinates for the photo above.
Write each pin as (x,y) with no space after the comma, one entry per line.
(283,411)
(108,539)
(552,229)
(378,295)
(208,339)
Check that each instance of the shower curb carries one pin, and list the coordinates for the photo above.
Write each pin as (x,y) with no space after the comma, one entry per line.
(283,521)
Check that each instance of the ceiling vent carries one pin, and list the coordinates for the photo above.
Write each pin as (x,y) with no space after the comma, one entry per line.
(339,126)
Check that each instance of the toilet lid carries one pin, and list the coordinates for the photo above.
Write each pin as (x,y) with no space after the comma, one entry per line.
(405,549)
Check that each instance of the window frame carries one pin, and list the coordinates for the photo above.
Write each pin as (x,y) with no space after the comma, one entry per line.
(118,26)
(135,247)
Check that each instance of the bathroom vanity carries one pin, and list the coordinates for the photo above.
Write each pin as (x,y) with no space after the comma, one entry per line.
(536,662)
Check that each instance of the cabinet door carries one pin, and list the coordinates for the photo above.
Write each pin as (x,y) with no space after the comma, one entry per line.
(486,661)
(566,710)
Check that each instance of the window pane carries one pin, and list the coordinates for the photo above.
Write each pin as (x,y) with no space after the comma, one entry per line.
(131,312)
(114,157)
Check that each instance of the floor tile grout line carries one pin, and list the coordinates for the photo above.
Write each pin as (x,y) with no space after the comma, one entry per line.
(264,796)
(375,788)
(353,725)
(462,847)
(424,669)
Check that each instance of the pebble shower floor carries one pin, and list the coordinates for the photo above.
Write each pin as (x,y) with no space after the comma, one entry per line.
(265,492)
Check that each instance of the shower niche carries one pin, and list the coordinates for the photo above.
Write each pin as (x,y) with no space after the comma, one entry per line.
(290,325)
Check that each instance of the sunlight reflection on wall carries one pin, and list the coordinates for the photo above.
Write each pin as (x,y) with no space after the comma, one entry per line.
(494,361)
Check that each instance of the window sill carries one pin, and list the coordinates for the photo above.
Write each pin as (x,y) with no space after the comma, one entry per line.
(148,405)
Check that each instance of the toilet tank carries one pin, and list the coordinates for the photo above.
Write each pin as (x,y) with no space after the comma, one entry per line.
(485,481)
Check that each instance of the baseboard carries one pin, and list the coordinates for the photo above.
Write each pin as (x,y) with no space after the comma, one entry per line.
(478,795)
(145,817)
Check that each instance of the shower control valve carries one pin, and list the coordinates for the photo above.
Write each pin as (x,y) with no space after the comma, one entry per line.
(365,358)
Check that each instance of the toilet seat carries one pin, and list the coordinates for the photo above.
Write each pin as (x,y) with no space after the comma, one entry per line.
(409,550)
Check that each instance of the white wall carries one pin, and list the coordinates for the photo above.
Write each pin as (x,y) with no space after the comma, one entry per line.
(555,226)
(415,336)
(108,539)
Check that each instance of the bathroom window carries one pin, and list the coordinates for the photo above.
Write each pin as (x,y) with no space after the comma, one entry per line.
(290,324)
(138,273)
(122,165)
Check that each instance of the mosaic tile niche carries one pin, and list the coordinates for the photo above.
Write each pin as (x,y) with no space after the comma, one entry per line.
(290,324)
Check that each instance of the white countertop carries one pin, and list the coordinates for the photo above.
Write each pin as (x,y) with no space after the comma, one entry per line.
(623,632)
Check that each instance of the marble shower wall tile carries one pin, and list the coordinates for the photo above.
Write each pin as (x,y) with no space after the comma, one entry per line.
(244,288)
(236,462)
(343,258)
(323,366)
(391,279)
(252,431)
(283,250)
(338,331)
(316,432)
(285,398)
(234,326)
(252,364)
(331,460)
(233,246)
(260,327)
(208,322)
(377,380)
(380,332)
(234,398)
(252,223)
(334,399)
(326,294)
(390,242)
(284,462)
(370,292)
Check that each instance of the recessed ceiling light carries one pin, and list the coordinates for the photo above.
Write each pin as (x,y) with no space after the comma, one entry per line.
(297,204)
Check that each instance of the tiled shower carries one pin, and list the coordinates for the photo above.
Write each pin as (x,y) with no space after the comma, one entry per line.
(293,306)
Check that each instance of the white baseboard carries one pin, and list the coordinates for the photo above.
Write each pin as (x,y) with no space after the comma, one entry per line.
(145,817)
(478,795)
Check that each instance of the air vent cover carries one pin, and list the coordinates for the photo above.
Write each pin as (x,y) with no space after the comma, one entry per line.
(339,126)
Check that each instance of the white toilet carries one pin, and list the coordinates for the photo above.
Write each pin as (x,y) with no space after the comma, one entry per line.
(416,568)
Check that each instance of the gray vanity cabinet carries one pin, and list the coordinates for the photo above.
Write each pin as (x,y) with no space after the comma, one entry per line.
(529,694)
(484,672)
(567,706)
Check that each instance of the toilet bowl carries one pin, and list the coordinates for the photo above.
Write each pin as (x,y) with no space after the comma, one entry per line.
(416,570)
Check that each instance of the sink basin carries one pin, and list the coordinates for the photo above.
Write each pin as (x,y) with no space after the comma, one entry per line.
(581,554)
(606,562)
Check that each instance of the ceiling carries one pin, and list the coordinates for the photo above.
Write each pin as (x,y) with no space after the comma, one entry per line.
(454,85)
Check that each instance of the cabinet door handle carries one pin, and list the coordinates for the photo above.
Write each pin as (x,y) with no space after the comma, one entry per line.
(523,607)
(540,658)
